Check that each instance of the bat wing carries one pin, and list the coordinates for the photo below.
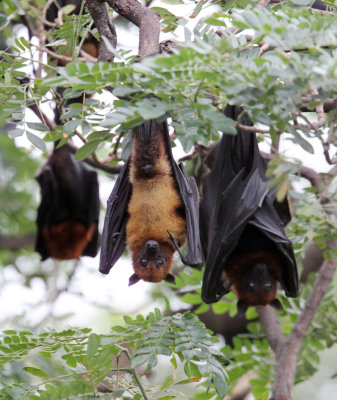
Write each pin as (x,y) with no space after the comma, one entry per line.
(48,184)
(189,194)
(114,231)
(92,209)
(231,213)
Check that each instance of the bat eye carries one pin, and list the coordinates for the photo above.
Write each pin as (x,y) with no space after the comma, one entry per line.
(143,262)
(251,286)
(160,262)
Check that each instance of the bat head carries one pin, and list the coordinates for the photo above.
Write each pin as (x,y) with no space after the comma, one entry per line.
(256,287)
(152,262)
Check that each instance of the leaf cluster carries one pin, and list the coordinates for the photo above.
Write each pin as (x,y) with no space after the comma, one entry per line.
(74,362)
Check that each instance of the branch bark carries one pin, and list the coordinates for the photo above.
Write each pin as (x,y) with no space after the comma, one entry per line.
(17,242)
(147,21)
(105,27)
(288,354)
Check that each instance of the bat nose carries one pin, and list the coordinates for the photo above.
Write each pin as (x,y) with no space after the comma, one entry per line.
(152,244)
(152,248)
(260,267)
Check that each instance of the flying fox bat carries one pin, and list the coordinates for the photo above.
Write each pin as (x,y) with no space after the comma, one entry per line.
(242,226)
(153,209)
(67,218)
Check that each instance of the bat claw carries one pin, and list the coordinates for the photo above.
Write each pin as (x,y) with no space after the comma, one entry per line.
(227,285)
(175,244)
(115,236)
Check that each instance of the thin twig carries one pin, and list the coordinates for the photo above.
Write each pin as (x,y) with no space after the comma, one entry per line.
(251,128)
(65,59)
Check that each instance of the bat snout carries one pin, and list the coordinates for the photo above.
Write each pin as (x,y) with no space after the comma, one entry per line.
(152,248)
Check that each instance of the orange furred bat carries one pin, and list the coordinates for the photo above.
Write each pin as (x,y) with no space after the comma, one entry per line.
(153,209)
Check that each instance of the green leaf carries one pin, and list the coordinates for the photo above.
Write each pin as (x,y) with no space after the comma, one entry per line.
(36,141)
(35,371)
(220,385)
(37,126)
(167,382)
(70,126)
(13,133)
(303,3)
(139,360)
(198,8)
(86,127)
(85,151)
(191,298)
(172,2)
(93,344)
(220,307)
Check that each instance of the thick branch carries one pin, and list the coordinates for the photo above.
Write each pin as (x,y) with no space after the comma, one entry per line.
(272,328)
(105,27)
(17,242)
(147,21)
(286,367)
(313,177)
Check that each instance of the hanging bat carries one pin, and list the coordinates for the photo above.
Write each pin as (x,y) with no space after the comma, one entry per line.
(242,226)
(153,209)
(67,218)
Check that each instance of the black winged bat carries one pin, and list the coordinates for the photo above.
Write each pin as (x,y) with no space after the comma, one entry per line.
(242,226)
(67,218)
(153,209)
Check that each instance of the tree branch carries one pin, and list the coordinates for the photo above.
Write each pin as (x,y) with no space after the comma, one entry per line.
(272,328)
(147,21)
(287,357)
(17,242)
(105,27)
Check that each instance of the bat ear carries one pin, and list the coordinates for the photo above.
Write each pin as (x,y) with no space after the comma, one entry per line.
(170,279)
(134,278)
(242,307)
(276,304)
